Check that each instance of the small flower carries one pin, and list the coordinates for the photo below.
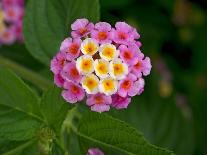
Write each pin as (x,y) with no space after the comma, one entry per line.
(89,46)
(108,52)
(58,62)
(90,83)
(129,54)
(70,72)
(13,13)
(99,102)
(58,80)
(73,92)
(117,69)
(139,86)
(142,66)
(71,47)
(7,36)
(101,67)
(108,86)
(127,86)
(119,102)
(95,151)
(84,64)
(124,33)
(102,32)
(81,28)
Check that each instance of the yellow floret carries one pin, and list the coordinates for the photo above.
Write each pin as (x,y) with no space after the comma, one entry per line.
(101,68)
(118,69)
(89,46)
(91,84)
(108,86)
(108,52)
(84,64)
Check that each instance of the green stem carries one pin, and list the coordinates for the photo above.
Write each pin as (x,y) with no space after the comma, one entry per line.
(25,73)
(68,127)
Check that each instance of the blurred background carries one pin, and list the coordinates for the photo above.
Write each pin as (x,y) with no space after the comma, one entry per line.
(172,111)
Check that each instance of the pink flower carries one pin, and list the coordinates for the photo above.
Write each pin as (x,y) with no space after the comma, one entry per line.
(142,66)
(138,87)
(57,63)
(129,54)
(124,33)
(81,28)
(95,151)
(127,86)
(102,32)
(7,37)
(7,3)
(73,92)
(99,102)
(71,47)
(13,13)
(119,102)
(58,80)
(70,72)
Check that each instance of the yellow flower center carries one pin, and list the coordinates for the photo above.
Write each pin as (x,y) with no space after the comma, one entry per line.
(108,86)
(108,52)
(90,48)
(90,83)
(118,69)
(86,65)
(102,68)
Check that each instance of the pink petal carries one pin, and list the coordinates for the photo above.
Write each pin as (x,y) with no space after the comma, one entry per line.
(100,108)
(69,97)
(79,23)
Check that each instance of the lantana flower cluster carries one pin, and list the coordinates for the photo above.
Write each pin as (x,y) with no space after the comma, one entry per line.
(11,18)
(102,64)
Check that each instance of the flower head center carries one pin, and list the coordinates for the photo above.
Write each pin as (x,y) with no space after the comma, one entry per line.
(82,31)
(138,65)
(118,69)
(91,84)
(74,89)
(102,35)
(99,99)
(108,52)
(74,72)
(122,35)
(127,55)
(73,49)
(11,13)
(86,65)
(126,84)
(90,48)
(109,85)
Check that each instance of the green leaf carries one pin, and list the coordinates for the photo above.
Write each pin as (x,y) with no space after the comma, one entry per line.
(19,108)
(47,22)
(54,108)
(114,137)
(162,121)
(23,148)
